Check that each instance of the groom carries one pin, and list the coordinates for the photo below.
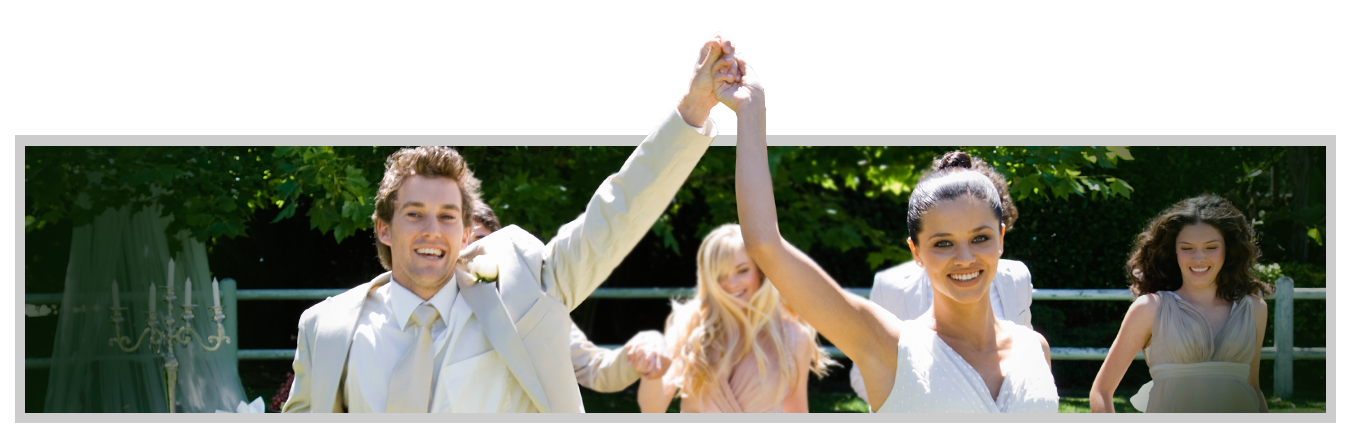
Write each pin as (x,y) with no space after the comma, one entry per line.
(430,337)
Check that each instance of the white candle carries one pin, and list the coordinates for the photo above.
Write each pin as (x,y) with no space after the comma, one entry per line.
(115,300)
(215,291)
(187,293)
(170,283)
(152,297)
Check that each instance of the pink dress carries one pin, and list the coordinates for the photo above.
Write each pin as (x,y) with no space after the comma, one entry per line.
(746,390)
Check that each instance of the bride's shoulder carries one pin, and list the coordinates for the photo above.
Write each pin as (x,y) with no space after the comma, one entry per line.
(1026,335)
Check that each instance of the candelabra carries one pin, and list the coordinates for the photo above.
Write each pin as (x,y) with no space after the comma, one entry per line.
(162,335)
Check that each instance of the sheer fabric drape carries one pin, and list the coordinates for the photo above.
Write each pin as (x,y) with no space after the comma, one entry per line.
(89,375)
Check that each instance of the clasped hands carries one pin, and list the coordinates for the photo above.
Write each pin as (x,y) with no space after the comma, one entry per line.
(720,75)
(647,354)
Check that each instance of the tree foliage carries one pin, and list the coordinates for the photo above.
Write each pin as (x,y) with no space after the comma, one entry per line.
(623,81)
(839,198)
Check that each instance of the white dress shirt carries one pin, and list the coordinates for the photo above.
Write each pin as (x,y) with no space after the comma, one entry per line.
(382,335)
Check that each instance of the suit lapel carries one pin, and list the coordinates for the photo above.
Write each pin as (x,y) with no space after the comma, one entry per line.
(334,339)
(501,332)
(1012,306)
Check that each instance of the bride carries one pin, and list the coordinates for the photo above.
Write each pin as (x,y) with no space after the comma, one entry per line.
(955,358)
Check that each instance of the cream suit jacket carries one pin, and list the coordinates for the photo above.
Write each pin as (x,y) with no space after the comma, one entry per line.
(906,291)
(600,369)
(524,314)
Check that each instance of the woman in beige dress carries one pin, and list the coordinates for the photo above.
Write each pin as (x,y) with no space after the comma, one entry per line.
(1199,316)
(734,347)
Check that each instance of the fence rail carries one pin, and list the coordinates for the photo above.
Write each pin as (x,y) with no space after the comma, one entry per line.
(1310,293)
(1284,353)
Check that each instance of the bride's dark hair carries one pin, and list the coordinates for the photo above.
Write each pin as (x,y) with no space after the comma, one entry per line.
(953,175)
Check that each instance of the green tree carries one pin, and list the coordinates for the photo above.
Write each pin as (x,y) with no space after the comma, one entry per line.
(623,81)
(832,198)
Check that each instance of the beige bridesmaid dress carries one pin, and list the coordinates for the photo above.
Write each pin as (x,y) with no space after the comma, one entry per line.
(1194,368)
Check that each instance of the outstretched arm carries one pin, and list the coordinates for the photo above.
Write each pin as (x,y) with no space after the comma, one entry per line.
(1135,332)
(857,327)
(605,371)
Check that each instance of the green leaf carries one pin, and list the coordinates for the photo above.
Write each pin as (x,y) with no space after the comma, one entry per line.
(1119,186)
(1122,152)
(288,189)
(286,212)
(1316,235)
(343,230)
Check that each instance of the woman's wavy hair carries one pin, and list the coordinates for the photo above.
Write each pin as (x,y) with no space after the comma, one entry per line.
(425,161)
(1153,265)
(714,331)
(957,174)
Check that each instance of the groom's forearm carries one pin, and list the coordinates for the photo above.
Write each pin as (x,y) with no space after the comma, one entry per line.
(695,110)
(622,209)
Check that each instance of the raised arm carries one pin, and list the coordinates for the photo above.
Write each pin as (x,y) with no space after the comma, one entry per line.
(859,328)
(627,203)
(1134,334)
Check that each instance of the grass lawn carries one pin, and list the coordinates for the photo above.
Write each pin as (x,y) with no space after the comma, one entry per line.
(263,379)
(826,402)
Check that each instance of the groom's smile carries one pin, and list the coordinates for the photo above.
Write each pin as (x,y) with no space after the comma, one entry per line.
(425,234)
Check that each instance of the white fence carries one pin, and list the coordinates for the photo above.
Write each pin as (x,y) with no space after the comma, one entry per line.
(1284,352)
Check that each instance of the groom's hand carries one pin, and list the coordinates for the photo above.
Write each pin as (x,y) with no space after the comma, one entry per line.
(746,91)
(711,68)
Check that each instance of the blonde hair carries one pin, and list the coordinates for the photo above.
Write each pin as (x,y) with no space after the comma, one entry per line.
(714,331)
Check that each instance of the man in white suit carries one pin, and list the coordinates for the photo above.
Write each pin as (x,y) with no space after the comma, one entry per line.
(430,337)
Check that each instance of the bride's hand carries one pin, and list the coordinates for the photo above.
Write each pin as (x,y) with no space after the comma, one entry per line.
(738,87)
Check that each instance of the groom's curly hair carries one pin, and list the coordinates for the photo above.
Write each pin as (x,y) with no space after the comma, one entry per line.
(427,162)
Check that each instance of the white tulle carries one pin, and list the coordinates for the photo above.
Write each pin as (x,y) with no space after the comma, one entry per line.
(88,375)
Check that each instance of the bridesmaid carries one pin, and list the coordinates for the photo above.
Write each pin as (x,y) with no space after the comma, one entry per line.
(1198,314)
(734,347)
(955,358)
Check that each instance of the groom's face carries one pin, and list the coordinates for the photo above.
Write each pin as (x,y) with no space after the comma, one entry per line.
(426,232)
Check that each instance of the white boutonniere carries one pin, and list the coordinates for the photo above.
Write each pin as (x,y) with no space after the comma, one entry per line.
(483,269)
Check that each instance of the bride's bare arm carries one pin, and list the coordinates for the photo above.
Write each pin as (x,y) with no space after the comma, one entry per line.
(859,328)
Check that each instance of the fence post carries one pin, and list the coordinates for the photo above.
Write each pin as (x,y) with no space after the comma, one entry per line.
(1284,338)
(229,300)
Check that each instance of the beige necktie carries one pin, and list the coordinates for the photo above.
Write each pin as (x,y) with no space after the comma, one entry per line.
(410,386)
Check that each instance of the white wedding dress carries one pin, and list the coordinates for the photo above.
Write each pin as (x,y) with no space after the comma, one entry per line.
(930,377)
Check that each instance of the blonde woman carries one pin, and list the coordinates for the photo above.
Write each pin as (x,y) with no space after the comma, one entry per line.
(734,347)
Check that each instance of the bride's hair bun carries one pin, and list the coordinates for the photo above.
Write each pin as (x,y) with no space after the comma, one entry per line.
(956,158)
